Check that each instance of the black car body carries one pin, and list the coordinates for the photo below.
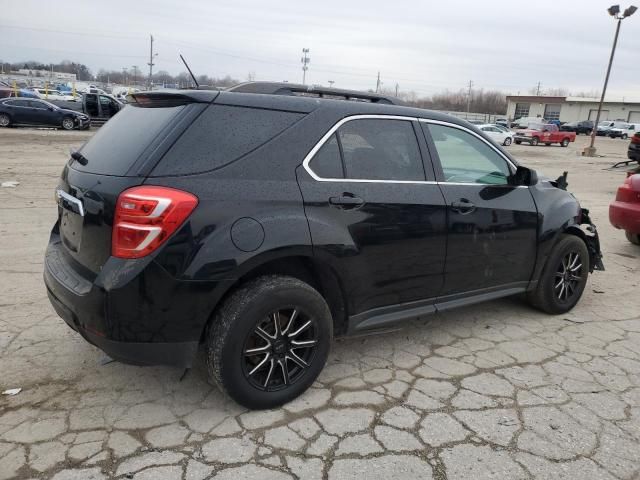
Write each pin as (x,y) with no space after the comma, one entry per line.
(35,112)
(585,126)
(347,198)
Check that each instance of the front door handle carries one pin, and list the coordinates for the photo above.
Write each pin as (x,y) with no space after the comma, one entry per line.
(463,206)
(346,200)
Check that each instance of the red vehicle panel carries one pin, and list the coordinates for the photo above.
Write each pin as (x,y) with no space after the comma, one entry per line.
(624,212)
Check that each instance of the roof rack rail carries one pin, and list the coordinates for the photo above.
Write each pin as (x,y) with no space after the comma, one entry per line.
(283,88)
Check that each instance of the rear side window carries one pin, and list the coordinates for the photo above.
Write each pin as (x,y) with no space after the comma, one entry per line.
(327,162)
(381,150)
(120,142)
(221,135)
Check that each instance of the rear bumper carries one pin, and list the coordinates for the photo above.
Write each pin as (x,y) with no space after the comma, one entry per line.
(633,153)
(625,216)
(136,313)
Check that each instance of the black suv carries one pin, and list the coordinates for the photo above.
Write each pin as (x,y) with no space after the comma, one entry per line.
(263,221)
(585,126)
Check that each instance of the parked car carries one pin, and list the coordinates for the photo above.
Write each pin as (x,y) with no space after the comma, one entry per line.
(502,128)
(584,126)
(624,212)
(524,122)
(98,107)
(263,224)
(497,135)
(633,153)
(621,130)
(544,133)
(48,94)
(605,126)
(503,122)
(23,111)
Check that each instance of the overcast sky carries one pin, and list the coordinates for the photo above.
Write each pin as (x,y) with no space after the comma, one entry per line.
(424,46)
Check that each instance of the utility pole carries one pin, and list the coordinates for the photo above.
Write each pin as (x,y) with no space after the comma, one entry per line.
(135,74)
(151,64)
(305,65)
(378,83)
(538,90)
(469,97)
(397,86)
(331,82)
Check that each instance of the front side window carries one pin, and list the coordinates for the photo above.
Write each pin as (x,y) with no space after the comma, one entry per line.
(38,105)
(378,149)
(467,159)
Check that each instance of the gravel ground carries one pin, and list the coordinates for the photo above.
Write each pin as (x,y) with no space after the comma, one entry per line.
(496,390)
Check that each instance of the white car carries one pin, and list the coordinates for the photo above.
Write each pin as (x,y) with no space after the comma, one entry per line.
(48,94)
(497,135)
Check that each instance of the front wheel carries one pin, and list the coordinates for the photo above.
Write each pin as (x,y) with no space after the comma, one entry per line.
(535,141)
(507,142)
(624,136)
(67,123)
(633,237)
(563,278)
(565,142)
(5,120)
(268,341)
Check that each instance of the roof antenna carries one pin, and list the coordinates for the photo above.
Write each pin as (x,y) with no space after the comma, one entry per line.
(190,72)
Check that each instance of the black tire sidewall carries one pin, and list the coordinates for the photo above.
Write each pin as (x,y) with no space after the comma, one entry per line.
(280,293)
(535,141)
(549,301)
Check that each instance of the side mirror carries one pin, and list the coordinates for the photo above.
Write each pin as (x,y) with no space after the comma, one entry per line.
(524,176)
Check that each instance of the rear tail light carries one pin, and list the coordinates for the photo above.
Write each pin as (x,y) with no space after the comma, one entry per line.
(636,139)
(146,216)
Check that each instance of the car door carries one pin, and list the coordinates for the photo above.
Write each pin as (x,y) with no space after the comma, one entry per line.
(39,113)
(375,216)
(492,225)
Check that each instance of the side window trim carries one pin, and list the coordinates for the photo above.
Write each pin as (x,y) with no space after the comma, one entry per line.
(437,165)
(334,129)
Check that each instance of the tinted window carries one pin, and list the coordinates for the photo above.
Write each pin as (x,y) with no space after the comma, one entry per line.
(221,135)
(120,142)
(36,104)
(326,163)
(381,150)
(19,103)
(467,159)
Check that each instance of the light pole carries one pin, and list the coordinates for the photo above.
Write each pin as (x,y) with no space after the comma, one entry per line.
(305,62)
(614,11)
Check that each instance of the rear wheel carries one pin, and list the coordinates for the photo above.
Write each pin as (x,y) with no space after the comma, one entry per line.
(633,237)
(518,142)
(563,278)
(67,123)
(5,120)
(565,142)
(507,142)
(269,341)
(535,141)
(624,136)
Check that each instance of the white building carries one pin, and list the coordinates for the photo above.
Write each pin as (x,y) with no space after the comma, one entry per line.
(69,77)
(571,109)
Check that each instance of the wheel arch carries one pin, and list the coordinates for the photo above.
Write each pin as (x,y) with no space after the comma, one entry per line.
(299,265)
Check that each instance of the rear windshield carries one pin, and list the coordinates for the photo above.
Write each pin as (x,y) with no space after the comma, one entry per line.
(221,135)
(119,143)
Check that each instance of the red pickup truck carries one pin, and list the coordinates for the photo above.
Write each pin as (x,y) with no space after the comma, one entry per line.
(543,133)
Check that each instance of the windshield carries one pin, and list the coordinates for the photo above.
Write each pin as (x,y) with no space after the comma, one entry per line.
(604,124)
(536,126)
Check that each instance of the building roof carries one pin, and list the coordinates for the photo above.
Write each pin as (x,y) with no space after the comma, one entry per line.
(556,99)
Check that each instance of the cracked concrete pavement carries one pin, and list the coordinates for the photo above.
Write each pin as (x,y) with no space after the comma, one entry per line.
(497,390)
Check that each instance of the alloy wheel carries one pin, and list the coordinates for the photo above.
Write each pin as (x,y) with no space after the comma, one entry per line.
(280,349)
(4,121)
(67,124)
(568,276)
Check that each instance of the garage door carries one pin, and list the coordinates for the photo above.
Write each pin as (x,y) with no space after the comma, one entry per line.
(604,114)
(634,117)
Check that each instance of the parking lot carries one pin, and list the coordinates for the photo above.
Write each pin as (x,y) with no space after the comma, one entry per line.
(497,390)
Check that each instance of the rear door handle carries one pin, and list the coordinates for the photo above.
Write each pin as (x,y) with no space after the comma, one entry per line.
(463,206)
(346,200)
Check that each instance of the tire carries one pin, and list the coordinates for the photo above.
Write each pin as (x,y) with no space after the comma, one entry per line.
(535,141)
(518,142)
(558,290)
(234,332)
(5,120)
(624,136)
(633,237)
(507,142)
(564,142)
(67,123)
(547,143)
